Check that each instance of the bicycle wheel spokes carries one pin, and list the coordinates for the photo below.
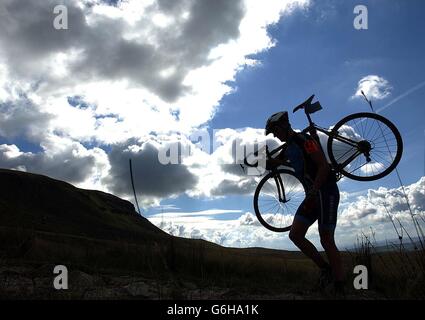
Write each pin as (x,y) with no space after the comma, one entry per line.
(276,201)
(376,150)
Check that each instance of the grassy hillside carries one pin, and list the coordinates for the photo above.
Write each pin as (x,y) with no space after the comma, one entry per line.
(112,252)
(45,222)
(36,202)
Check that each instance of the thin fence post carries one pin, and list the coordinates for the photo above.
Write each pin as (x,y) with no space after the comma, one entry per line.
(134,189)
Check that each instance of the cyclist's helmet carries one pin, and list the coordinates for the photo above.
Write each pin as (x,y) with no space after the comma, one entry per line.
(278,119)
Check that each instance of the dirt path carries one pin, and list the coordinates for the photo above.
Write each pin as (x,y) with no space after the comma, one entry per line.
(17,282)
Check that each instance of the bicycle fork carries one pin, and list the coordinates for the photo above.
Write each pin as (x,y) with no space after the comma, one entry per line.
(280,189)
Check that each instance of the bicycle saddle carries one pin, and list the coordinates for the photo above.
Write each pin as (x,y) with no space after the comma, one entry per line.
(308,106)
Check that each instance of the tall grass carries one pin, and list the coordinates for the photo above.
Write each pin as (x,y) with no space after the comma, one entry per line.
(398,272)
(173,264)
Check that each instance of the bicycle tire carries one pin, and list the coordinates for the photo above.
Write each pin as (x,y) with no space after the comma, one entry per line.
(382,122)
(266,218)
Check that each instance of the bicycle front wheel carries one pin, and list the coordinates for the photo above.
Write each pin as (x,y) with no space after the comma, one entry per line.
(365,146)
(277,198)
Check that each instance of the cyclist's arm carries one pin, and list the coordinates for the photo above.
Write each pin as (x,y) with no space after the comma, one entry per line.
(279,160)
(323,170)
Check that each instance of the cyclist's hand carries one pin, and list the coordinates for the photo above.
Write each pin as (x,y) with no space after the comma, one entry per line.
(271,164)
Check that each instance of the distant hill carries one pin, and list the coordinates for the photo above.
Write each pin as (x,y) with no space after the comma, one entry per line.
(36,202)
(390,245)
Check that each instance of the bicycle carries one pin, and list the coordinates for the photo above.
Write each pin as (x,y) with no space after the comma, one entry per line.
(355,148)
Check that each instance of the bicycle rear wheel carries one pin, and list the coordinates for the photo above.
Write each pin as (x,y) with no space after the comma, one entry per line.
(365,146)
(277,198)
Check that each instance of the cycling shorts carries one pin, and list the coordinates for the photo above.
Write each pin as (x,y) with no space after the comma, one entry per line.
(325,208)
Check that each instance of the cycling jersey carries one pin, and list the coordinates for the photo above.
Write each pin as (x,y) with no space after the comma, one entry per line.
(325,208)
(298,152)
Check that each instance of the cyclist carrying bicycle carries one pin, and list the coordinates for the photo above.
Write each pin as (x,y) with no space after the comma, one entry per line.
(322,197)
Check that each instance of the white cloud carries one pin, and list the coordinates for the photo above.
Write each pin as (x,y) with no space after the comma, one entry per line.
(357,214)
(133,71)
(220,171)
(375,200)
(374,87)
(210,212)
(123,60)
(10,151)
(71,162)
(231,233)
(368,211)
(143,73)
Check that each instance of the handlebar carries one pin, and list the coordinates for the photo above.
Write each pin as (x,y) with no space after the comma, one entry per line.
(269,154)
(304,104)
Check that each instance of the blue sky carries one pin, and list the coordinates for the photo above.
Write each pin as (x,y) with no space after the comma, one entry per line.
(327,56)
(320,52)
(76,104)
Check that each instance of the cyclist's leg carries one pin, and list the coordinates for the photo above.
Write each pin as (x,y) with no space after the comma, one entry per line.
(297,234)
(329,197)
(328,242)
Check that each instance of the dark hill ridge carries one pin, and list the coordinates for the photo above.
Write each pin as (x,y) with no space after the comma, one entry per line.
(113,252)
(41,203)
(38,208)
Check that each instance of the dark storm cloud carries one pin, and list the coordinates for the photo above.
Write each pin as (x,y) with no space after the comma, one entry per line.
(152,179)
(28,40)
(229,187)
(28,36)
(211,23)
(63,166)
(21,118)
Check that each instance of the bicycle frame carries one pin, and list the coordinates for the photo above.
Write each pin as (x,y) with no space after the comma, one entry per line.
(312,128)
(346,141)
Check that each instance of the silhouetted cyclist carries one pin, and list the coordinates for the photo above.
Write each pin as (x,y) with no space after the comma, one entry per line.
(322,197)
